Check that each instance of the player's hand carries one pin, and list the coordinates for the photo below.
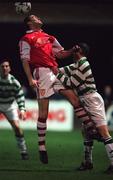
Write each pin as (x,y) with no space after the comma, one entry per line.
(76,49)
(34,83)
(22,115)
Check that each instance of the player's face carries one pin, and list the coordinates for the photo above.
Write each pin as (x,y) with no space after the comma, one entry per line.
(34,22)
(5,69)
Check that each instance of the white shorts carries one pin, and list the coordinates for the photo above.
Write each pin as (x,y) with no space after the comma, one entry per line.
(10,111)
(48,83)
(94,104)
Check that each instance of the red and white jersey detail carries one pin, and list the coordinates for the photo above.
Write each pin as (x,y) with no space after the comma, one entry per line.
(39,48)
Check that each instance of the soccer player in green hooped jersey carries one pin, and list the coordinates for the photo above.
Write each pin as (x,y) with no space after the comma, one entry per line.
(11,91)
(79,77)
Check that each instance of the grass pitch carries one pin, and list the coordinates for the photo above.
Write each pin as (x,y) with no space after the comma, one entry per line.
(65,155)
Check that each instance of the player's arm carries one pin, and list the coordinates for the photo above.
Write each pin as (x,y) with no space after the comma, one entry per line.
(32,82)
(20,99)
(59,51)
(64,53)
(25,58)
(64,75)
(68,75)
(65,80)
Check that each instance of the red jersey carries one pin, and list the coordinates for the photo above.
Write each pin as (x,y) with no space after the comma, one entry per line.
(41,54)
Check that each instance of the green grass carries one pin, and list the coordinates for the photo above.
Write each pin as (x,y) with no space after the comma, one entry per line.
(65,154)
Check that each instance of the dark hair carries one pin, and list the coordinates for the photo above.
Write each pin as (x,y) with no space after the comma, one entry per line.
(85,48)
(27,19)
(5,60)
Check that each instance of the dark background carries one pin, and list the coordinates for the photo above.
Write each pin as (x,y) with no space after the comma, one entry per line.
(98,36)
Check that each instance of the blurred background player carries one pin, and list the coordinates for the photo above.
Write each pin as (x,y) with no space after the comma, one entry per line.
(38,52)
(108,96)
(79,76)
(11,91)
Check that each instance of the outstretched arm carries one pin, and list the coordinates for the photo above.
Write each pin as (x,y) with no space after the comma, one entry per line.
(65,80)
(62,76)
(64,53)
(68,75)
(59,51)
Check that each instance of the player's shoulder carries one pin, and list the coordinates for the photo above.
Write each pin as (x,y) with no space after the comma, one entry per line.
(83,60)
(25,36)
(14,80)
(72,66)
(10,76)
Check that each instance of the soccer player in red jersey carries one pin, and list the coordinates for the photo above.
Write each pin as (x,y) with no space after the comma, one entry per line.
(39,51)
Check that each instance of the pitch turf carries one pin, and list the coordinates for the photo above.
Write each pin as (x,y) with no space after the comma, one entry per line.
(65,154)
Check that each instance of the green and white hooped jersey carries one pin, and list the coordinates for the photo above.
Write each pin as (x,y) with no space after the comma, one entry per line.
(11,90)
(78,76)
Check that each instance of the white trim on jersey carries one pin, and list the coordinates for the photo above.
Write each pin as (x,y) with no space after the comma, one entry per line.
(24,50)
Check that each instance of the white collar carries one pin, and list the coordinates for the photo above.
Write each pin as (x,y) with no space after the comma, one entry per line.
(30,31)
(83,58)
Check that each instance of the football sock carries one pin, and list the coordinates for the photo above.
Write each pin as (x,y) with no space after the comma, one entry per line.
(109,148)
(41,127)
(21,143)
(88,147)
(82,114)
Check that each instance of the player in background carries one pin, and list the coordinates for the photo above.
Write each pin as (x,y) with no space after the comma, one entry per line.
(38,53)
(11,92)
(79,76)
